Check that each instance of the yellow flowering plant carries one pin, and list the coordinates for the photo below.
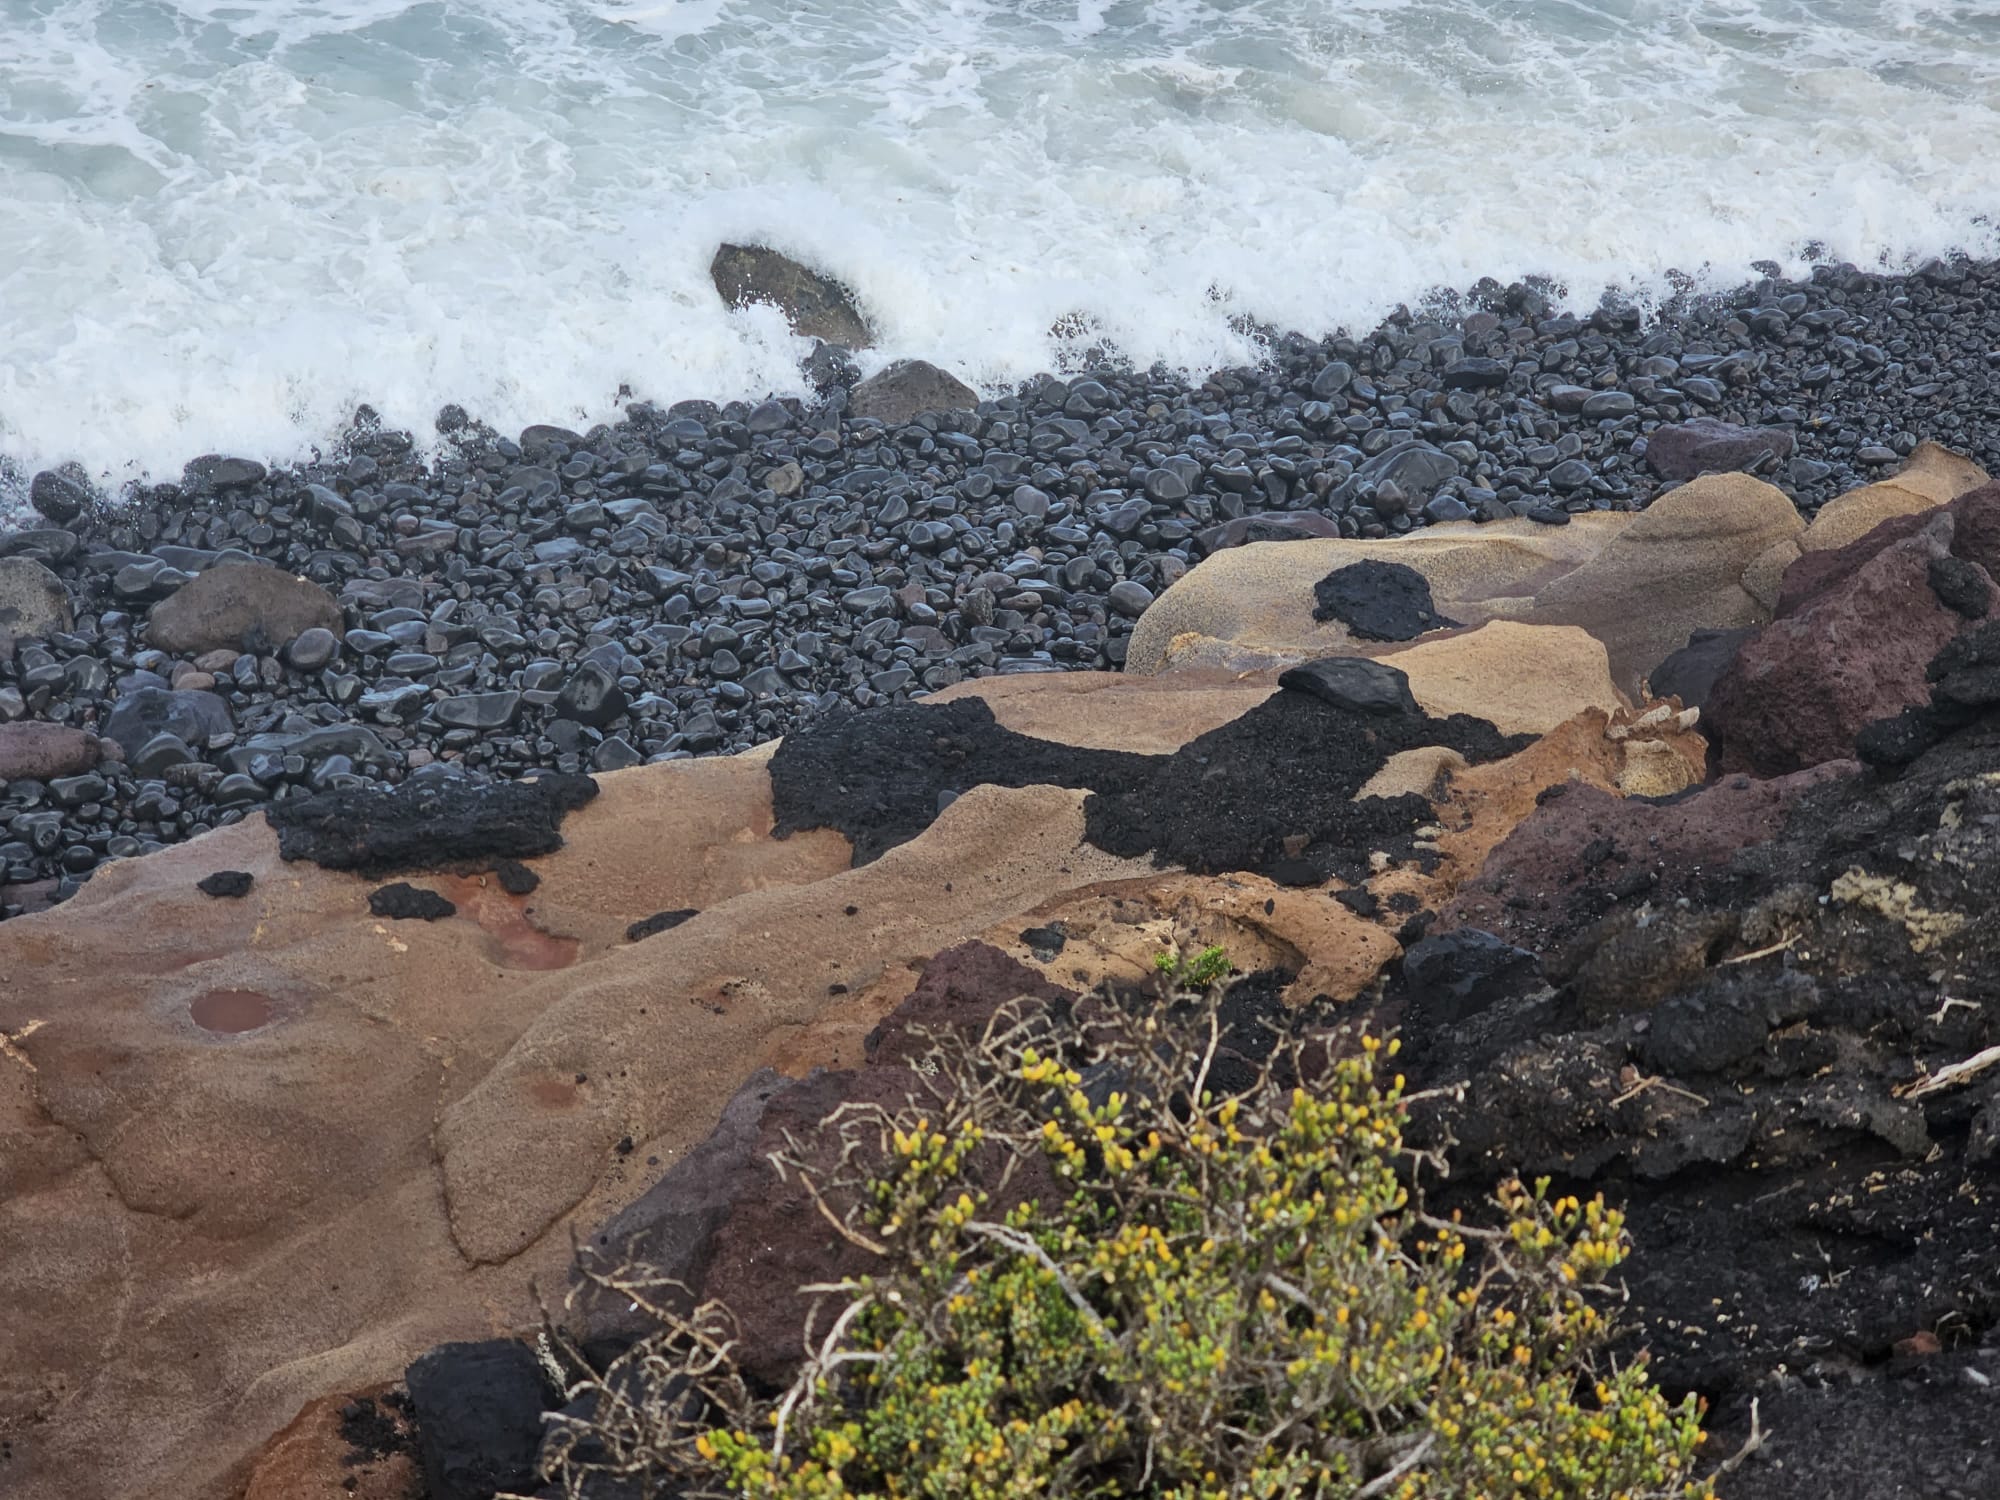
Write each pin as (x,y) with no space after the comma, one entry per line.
(1099,1275)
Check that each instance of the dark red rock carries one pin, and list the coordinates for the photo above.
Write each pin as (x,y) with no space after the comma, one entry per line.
(1706,445)
(1584,854)
(960,990)
(721,1222)
(1854,651)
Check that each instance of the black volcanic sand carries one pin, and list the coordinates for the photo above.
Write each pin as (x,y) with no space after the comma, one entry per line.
(700,579)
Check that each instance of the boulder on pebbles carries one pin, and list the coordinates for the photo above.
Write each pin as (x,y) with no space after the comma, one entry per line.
(1378,601)
(241,607)
(188,714)
(58,496)
(313,649)
(1706,445)
(39,752)
(33,601)
(815,305)
(907,388)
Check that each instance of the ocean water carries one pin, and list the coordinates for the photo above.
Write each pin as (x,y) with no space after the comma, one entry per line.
(224,223)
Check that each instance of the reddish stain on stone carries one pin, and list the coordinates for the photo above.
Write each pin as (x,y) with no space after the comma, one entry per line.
(553,1093)
(231,1012)
(513,941)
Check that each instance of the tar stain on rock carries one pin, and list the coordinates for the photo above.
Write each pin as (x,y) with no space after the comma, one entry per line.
(658,922)
(428,824)
(876,776)
(403,901)
(225,883)
(1273,791)
(1379,601)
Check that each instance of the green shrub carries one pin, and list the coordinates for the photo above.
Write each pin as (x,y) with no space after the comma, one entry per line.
(1205,1297)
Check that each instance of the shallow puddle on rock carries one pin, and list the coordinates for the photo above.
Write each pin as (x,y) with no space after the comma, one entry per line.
(513,941)
(231,1012)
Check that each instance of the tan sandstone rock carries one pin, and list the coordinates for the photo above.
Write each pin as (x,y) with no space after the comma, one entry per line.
(1676,569)
(1930,477)
(1524,679)
(258,1150)
(1640,583)
(1260,597)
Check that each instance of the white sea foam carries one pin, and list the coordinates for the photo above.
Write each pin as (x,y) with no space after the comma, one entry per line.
(223,224)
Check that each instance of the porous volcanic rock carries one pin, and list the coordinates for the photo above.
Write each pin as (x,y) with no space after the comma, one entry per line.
(815,305)
(241,607)
(1774,1109)
(1585,852)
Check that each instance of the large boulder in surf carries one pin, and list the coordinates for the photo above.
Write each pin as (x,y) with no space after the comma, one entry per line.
(815,305)
(908,387)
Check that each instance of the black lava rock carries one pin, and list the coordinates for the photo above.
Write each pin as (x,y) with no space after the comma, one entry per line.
(1273,791)
(1690,673)
(479,1417)
(515,878)
(1355,684)
(658,922)
(405,902)
(227,884)
(1454,976)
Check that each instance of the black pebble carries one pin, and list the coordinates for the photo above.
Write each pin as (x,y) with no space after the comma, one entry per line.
(403,901)
(516,879)
(659,921)
(227,883)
